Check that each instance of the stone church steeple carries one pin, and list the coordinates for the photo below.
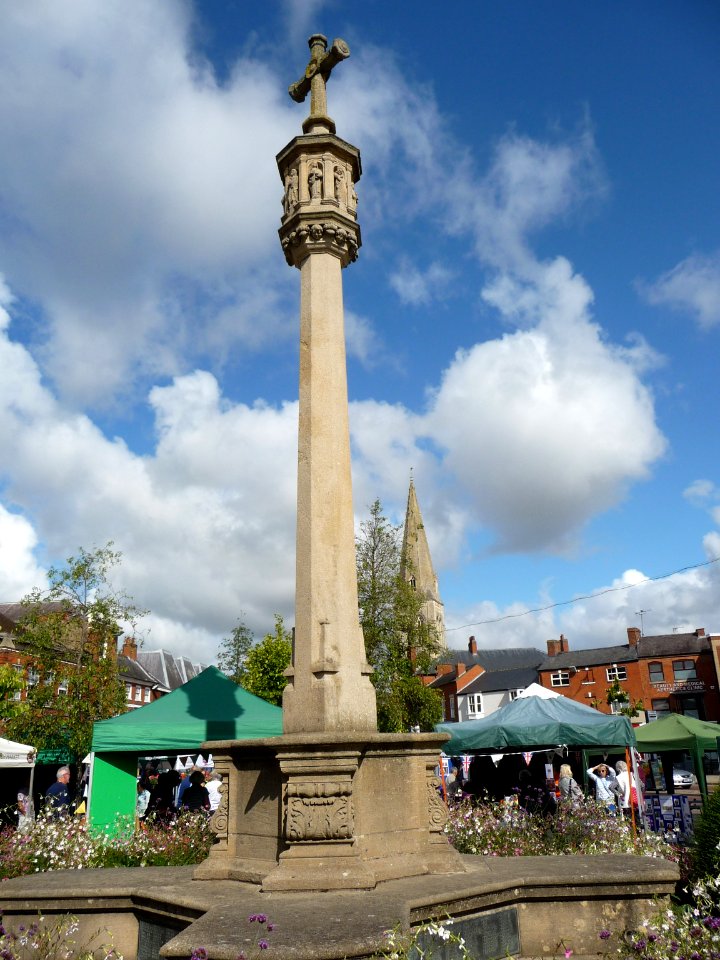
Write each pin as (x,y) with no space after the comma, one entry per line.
(417,568)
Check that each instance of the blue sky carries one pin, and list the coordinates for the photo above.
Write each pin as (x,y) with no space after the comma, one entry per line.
(532,324)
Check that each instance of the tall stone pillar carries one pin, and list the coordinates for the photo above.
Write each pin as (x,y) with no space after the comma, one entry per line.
(329,687)
(331,804)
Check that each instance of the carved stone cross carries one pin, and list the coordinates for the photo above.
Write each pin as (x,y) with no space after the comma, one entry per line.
(317,74)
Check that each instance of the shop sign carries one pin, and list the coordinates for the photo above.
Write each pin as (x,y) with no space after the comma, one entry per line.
(683,686)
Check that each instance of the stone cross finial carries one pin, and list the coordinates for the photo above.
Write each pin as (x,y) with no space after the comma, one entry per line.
(317,73)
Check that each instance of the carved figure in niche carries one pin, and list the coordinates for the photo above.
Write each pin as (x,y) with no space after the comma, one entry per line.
(352,205)
(291,191)
(315,179)
(339,177)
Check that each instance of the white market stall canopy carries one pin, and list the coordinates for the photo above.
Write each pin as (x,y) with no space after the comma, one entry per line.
(16,754)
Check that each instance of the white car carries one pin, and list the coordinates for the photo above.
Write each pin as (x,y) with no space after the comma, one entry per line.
(683,778)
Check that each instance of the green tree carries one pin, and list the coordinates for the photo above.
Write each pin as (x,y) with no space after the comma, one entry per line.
(70,631)
(234,649)
(399,644)
(620,702)
(263,672)
(10,683)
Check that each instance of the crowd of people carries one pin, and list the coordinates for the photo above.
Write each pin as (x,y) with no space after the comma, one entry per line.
(161,793)
(536,791)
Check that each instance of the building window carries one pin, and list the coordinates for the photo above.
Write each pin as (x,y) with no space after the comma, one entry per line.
(33,677)
(514,694)
(128,691)
(19,669)
(474,704)
(684,670)
(561,678)
(588,676)
(412,583)
(451,704)
(690,707)
(616,673)
(138,693)
(657,674)
(660,706)
(147,695)
(62,687)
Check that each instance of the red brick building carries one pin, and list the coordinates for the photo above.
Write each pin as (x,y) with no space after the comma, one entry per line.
(670,673)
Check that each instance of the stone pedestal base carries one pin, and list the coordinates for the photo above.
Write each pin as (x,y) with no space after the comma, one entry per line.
(329,811)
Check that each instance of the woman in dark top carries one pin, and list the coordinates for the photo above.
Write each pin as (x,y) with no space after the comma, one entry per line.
(196,796)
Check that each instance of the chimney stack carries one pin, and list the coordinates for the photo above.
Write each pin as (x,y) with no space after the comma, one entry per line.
(633,635)
(700,632)
(129,648)
(554,648)
(564,645)
(459,669)
(472,645)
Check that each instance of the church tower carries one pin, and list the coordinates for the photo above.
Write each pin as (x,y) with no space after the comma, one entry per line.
(416,566)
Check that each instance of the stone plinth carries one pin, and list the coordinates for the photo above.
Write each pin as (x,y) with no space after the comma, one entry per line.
(329,811)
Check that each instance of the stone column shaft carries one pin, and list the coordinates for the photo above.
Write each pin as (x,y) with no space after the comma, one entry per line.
(330,687)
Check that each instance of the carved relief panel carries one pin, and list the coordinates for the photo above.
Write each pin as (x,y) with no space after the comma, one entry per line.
(319,811)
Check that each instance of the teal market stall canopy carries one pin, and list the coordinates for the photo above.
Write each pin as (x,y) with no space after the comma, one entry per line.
(535,723)
(208,707)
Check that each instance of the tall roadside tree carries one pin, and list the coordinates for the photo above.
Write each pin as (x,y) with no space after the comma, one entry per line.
(69,632)
(233,650)
(263,672)
(399,643)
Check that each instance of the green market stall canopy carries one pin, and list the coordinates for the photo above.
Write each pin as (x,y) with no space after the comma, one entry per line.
(208,707)
(677,732)
(534,723)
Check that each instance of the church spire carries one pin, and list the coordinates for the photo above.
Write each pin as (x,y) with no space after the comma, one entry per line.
(416,565)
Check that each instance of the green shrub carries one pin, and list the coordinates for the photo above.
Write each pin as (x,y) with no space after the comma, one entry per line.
(705,856)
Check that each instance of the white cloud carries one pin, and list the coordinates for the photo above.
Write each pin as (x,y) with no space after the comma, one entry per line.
(362,341)
(19,571)
(680,603)
(151,196)
(693,286)
(699,492)
(416,287)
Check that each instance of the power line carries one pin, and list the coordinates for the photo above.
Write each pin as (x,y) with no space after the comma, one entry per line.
(587,596)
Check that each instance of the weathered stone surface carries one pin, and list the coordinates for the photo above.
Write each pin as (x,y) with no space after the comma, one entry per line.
(557,898)
(331,811)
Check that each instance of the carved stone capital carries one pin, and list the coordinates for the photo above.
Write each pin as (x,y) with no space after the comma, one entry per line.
(305,234)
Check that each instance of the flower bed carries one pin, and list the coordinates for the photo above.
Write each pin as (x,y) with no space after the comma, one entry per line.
(68,845)
(506,830)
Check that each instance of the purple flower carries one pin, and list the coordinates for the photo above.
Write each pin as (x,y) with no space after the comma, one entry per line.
(263,944)
(695,956)
(639,945)
(605,934)
(199,953)
(271,926)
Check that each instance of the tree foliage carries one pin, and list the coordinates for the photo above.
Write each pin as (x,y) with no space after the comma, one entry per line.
(10,683)
(399,643)
(263,672)
(70,631)
(233,650)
